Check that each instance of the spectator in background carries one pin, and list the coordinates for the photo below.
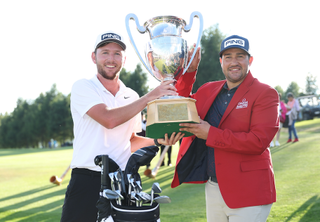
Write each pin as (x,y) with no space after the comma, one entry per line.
(293,109)
(282,117)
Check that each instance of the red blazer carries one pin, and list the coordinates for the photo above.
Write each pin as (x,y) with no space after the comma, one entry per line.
(243,161)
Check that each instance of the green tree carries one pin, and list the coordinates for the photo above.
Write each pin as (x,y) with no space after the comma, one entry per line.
(280,91)
(6,133)
(60,122)
(209,68)
(16,130)
(30,123)
(23,125)
(311,84)
(43,109)
(136,80)
(125,76)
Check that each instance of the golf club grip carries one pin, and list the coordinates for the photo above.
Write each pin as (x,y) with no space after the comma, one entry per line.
(105,180)
(156,168)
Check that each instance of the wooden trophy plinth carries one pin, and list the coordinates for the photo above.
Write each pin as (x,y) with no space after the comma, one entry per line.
(165,115)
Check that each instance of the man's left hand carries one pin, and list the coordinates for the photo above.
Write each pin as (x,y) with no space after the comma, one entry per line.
(175,137)
(200,130)
(196,60)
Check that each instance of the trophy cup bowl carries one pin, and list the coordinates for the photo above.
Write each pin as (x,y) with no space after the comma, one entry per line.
(166,56)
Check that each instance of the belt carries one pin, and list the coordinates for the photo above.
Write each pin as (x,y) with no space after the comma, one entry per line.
(86,172)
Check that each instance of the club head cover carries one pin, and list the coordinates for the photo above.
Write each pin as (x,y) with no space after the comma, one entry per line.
(139,158)
(104,208)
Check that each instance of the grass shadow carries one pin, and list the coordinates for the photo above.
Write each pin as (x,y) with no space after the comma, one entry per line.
(41,212)
(32,200)
(279,148)
(38,214)
(312,206)
(27,193)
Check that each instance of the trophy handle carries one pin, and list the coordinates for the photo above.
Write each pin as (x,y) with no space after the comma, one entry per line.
(142,30)
(187,28)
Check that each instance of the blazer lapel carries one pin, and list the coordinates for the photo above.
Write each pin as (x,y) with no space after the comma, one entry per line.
(206,101)
(238,96)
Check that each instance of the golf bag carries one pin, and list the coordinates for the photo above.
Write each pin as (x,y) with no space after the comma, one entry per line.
(121,193)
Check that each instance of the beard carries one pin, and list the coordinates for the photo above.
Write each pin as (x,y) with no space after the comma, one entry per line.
(234,78)
(110,75)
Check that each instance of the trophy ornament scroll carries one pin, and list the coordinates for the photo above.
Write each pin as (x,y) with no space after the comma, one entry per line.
(166,58)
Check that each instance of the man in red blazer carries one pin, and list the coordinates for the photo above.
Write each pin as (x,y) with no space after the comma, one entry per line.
(229,150)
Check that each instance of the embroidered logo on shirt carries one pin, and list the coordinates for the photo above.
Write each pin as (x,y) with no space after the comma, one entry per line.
(242,104)
(126,97)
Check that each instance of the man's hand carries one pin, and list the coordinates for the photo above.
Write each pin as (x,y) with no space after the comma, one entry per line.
(175,137)
(200,130)
(196,60)
(165,89)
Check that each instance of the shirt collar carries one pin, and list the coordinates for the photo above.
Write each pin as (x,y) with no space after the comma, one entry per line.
(225,86)
(96,81)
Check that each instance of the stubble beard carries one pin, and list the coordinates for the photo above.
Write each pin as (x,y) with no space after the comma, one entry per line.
(105,75)
(239,77)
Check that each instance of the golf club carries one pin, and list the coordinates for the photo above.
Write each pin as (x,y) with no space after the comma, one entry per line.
(58,180)
(110,194)
(162,199)
(155,189)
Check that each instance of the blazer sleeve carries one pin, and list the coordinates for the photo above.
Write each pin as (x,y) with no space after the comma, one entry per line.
(185,83)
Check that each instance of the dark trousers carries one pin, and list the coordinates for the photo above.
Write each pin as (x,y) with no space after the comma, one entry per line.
(81,196)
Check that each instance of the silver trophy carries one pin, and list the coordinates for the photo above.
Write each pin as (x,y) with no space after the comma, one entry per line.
(166,57)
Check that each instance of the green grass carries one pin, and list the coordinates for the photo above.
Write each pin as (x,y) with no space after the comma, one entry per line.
(27,195)
(297,175)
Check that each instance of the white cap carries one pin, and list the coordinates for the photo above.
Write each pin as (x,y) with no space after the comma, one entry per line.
(110,36)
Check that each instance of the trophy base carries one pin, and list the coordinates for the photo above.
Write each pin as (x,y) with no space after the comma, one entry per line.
(165,115)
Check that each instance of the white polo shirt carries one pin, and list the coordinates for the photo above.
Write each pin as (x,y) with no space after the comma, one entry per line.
(91,138)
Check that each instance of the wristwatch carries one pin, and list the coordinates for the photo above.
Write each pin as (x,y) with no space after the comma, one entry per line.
(156,142)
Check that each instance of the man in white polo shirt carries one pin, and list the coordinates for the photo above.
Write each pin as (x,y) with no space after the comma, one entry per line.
(106,116)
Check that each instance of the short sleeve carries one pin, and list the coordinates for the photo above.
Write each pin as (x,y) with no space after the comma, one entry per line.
(84,96)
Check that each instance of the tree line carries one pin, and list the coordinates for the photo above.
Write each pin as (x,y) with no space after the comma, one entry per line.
(311,88)
(34,124)
(48,117)
(37,123)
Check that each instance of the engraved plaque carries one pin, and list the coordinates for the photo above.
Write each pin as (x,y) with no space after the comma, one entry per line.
(172,112)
